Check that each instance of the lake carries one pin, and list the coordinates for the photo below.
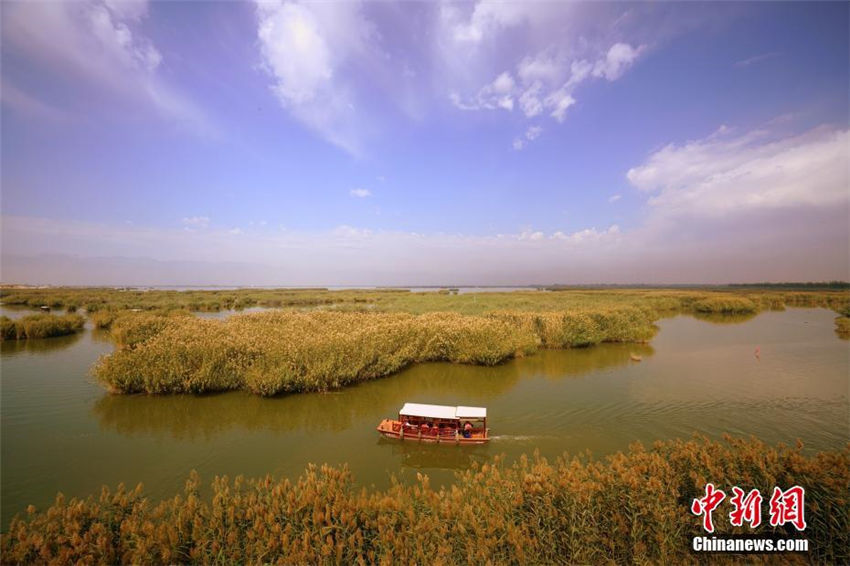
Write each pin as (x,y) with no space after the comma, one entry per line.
(62,432)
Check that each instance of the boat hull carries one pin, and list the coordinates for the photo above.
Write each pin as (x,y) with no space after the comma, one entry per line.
(393,429)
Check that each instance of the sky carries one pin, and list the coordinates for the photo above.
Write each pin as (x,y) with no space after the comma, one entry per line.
(404,143)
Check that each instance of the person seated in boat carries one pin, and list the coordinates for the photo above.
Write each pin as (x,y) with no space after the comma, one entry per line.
(467,430)
(425,428)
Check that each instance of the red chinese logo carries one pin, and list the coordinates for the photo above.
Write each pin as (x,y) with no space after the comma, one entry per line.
(785,507)
(746,508)
(705,505)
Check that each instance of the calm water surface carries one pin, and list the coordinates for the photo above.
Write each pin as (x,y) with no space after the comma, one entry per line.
(61,432)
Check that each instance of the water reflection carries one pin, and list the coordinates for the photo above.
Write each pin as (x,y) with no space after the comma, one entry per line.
(432,456)
(18,311)
(721,318)
(101,335)
(190,417)
(61,432)
(39,345)
(582,361)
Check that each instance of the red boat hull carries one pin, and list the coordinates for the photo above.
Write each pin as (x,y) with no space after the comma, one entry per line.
(390,428)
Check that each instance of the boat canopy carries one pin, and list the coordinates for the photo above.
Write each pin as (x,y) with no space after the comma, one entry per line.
(471,413)
(442,411)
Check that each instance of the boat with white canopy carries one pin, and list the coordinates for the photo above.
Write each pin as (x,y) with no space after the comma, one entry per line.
(438,423)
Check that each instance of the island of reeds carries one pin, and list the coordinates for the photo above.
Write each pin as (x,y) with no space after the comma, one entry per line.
(40,326)
(628,508)
(316,339)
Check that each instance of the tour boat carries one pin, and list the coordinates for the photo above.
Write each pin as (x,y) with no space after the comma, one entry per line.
(438,423)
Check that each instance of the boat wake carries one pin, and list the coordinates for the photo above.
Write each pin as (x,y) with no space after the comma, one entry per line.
(518,437)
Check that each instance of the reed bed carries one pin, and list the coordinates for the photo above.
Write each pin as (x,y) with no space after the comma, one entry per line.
(40,326)
(401,300)
(629,508)
(275,352)
(337,344)
(726,305)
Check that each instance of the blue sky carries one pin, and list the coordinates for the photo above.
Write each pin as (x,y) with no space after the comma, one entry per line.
(433,143)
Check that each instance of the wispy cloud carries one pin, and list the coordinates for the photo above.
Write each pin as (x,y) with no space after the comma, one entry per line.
(360,193)
(308,50)
(733,206)
(531,134)
(105,43)
(756,59)
(29,105)
(547,83)
(614,198)
(726,174)
(196,221)
(328,64)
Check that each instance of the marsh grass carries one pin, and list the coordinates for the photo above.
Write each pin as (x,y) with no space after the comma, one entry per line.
(628,508)
(401,300)
(725,305)
(288,352)
(356,335)
(40,326)
(362,335)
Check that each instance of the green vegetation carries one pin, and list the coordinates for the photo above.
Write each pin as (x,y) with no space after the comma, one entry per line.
(40,326)
(796,285)
(318,339)
(286,352)
(730,305)
(629,508)
(401,300)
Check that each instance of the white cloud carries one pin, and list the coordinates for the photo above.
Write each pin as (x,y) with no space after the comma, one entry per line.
(558,102)
(133,10)
(104,43)
(531,236)
(589,235)
(529,100)
(196,221)
(311,51)
(614,198)
(235,231)
(541,67)
(497,94)
(722,174)
(487,18)
(541,83)
(295,51)
(531,134)
(360,193)
(756,59)
(131,51)
(756,247)
(619,57)
(579,71)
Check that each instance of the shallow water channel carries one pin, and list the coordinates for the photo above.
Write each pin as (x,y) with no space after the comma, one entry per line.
(62,432)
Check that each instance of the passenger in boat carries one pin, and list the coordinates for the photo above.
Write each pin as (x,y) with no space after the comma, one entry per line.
(467,430)
(425,428)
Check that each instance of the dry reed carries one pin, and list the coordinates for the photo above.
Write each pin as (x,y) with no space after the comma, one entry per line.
(628,508)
